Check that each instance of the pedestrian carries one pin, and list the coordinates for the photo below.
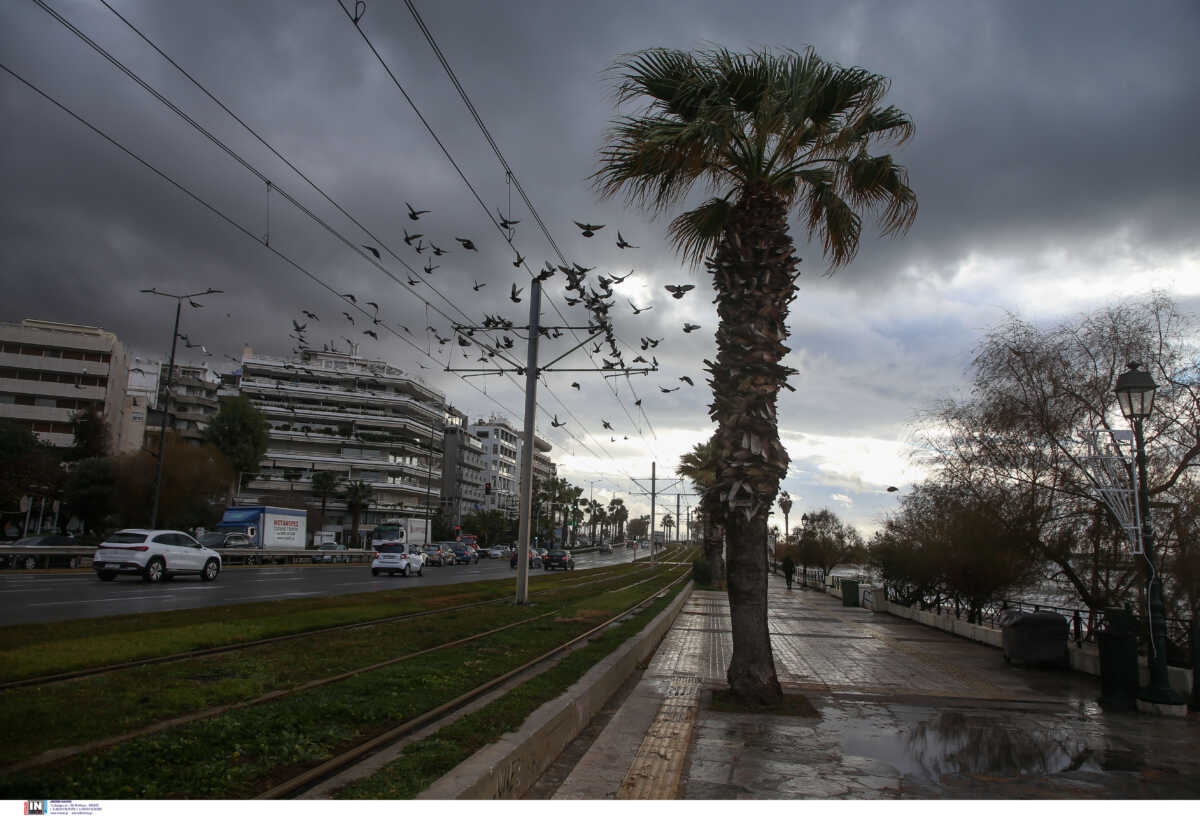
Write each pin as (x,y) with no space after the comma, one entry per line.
(789,569)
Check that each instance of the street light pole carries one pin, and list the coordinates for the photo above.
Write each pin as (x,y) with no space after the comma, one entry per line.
(1135,393)
(162,425)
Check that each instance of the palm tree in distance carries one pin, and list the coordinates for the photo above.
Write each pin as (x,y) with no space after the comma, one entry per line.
(324,486)
(358,496)
(700,467)
(768,134)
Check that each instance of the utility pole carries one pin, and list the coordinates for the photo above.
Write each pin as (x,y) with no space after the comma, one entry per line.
(162,427)
(526,499)
(652,497)
(677,516)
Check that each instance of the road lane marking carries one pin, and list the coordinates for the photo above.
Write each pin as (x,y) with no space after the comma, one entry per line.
(106,600)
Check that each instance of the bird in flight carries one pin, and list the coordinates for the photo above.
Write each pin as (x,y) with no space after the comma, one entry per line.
(622,243)
(349,317)
(687,380)
(606,425)
(429,267)
(638,403)
(478,286)
(413,281)
(637,310)
(650,342)
(555,423)
(515,295)
(373,305)
(420,247)
(688,328)
(893,489)
(194,304)
(437,250)
(589,229)
(467,243)
(414,214)
(621,279)
(546,274)
(297,327)
(505,223)
(373,251)
(640,359)
(520,260)
(678,292)
(350,297)
(668,390)
(371,334)
(408,239)
(575,385)
(310,315)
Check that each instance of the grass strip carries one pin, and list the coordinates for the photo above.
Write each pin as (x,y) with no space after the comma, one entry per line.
(238,753)
(33,650)
(424,762)
(137,697)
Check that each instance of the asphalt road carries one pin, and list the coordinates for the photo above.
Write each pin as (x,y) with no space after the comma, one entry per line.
(35,597)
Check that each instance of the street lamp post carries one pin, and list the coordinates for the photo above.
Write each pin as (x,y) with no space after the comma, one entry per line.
(162,426)
(1135,393)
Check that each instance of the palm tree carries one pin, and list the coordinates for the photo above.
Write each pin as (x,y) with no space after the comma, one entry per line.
(619,514)
(324,485)
(785,504)
(700,466)
(769,134)
(358,496)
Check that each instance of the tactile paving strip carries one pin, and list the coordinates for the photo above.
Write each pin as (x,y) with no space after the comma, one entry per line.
(658,764)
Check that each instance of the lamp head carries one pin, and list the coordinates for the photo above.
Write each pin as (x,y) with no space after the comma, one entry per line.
(1135,392)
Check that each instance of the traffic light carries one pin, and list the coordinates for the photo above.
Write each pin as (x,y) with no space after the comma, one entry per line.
(487,488)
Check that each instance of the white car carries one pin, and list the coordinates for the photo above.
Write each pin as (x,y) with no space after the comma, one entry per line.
(156,555)
(497,552)
(392,558)
(418,552)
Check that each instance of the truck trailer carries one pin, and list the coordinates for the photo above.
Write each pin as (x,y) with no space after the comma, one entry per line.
(269,528)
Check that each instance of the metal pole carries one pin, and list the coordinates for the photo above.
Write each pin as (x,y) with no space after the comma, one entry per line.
(675,529)
(526,506)
(1159,691)
(162,426)
(652,495)
(41,514)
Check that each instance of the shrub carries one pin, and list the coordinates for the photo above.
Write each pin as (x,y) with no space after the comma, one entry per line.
(702,571)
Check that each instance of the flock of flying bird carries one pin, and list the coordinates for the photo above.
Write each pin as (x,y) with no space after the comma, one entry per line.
(596,298)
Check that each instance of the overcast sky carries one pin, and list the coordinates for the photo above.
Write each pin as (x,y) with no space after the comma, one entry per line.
(1055,163)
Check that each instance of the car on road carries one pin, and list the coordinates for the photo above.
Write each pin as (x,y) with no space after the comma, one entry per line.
(464,554)
(393,558)
(497,552)
(330,553)
(418,551)
(559,559)
(605,547)
(155,555)
(436,555)
(32,561)
(541,553)
(217,540)
(535,560)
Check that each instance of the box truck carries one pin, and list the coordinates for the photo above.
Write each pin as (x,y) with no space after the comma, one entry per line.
(400,531)
(269,528)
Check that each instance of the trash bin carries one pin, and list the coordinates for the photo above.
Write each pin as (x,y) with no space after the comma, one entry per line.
(849,592)
(1035,639)
(1117,638)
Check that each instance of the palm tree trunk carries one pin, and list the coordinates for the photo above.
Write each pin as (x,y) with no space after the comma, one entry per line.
(753,275)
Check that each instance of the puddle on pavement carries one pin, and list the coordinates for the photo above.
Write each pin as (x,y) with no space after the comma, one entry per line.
(955,742)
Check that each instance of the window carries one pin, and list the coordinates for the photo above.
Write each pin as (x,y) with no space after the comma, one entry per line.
(23,399)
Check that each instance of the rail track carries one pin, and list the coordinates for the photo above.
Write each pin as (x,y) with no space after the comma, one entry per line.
(92,671)
(58,754)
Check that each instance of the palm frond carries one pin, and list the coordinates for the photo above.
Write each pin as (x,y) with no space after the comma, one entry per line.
(695,233)
(838,225)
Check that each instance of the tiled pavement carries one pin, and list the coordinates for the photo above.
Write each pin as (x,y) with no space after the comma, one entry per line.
(904,711)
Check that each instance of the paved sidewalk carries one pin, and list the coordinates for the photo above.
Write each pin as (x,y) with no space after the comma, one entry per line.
(903,711)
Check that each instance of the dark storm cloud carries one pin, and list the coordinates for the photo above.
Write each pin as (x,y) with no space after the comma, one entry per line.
(1038,126)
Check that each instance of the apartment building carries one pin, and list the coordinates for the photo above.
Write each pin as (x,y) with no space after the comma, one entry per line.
(49,372)
(543,468)
(500,464)
(363,419)
(462,469)
(191,404)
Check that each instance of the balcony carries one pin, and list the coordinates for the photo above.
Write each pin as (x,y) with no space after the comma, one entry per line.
(56,364)
(369,418)
(353,396)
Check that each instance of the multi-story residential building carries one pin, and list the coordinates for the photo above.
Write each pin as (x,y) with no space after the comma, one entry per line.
(462,469)
(362,419)
(500,468)
(49,372)
(543,468)
(191,402)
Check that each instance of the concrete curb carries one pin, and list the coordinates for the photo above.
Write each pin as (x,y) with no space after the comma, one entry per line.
(507,768)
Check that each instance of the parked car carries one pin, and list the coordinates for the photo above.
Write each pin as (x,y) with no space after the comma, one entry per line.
(559,559)
(329,553)
(437,556)
(217,540)
(497,552)
(156,555)
(464,554)
(30,561)
(393,558)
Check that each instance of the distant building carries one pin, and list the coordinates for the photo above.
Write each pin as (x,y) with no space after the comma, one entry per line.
(191,406)
(363,419)
(500,442)
(543,468)
(462,469)
(49,372)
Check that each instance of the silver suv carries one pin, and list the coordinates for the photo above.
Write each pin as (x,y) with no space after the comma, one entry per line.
(155,555)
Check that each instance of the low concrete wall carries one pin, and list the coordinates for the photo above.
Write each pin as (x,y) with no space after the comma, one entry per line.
(1084,658)
(507,768)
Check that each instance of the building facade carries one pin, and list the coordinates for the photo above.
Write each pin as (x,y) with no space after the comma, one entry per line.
(49,372)
(500,469)
(362,419)
(462,469)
